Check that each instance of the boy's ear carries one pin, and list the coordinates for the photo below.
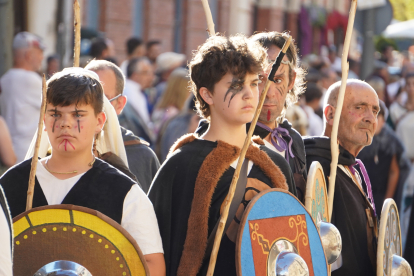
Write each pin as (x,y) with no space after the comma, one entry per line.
(206,95)
(101,121)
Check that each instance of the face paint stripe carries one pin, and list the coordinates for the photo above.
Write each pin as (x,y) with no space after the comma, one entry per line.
(268,114)
(54,123)
(233,90)
(78,126)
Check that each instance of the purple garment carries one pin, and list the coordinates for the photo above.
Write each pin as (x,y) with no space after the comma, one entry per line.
(277,134)
(366,179)
(305,28)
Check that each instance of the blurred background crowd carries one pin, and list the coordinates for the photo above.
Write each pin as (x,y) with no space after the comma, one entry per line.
(151,41)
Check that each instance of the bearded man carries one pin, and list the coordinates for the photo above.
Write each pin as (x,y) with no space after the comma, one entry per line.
(272,126)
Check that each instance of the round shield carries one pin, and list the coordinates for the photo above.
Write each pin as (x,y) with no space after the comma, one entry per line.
(389,239)
(76,234)
(316,199)
(275,221)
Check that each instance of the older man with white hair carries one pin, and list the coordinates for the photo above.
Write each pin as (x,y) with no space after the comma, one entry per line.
(353,207)
(21,90)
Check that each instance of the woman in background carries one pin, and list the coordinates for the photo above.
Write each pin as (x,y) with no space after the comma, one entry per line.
(173,100)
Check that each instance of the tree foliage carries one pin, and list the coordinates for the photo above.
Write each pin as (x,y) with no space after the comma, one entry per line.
(403,9)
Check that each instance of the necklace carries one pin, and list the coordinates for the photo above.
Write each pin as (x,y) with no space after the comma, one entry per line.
(75,171)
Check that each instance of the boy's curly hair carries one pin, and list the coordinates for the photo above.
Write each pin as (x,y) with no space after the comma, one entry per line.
(266,39)
(218,56)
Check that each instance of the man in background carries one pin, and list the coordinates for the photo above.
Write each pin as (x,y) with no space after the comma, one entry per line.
(135,117)
(135,48)
(142,161)
(153,50)
(21,91)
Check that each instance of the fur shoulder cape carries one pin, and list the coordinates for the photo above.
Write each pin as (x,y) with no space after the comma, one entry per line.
(213,167)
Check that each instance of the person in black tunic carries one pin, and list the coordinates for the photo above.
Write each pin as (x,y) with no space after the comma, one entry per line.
(353,208)
(72,174)
(272,126)
(189,190)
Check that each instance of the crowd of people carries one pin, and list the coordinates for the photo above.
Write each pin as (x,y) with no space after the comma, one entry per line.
(165,114)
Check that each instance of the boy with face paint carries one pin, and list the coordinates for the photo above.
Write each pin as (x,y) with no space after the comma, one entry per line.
(73,175)
(191,186)
(272,126)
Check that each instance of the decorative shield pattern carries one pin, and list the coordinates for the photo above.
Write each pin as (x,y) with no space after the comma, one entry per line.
(316,199)
(273,220)
(389,239)
(78,234)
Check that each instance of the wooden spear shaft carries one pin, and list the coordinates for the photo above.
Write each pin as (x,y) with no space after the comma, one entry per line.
(30,190)
(340,102)
(209,17)
(77,30)
(230,195)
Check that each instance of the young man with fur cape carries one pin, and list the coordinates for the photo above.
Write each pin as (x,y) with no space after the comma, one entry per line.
(189,190)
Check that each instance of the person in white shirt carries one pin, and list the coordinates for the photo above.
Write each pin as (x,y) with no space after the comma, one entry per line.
(21,90)
(73,175)
(135,48)
(313,95)
(135,117)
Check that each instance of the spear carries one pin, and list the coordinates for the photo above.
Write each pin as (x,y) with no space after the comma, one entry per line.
(209,17)
(340,102)
(77,29)
(30,190)
(247,141)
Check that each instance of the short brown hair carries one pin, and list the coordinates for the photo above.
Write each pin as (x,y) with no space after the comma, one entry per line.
(75,86)
(218,56)
(266,39)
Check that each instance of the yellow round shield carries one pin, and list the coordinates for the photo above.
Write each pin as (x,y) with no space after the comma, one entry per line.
(78,234)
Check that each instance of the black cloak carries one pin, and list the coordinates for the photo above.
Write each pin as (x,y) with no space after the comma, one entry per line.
(349,212)
(189,190)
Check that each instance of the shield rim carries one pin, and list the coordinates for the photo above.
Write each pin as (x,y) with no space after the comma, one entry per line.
(310,186)
(96,213)
(381,236)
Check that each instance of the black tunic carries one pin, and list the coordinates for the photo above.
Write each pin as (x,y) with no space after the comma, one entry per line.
(298,163)
(173,190)
(102,188)
(349,215)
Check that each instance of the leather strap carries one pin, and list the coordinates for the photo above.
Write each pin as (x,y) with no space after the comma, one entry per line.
(234,205)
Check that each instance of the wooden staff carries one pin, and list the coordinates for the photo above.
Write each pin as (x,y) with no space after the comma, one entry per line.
(246,145)
(340,102)
(30,190)
(77,29)
(209,17)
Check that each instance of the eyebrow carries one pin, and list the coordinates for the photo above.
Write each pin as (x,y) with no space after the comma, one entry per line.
(375,107)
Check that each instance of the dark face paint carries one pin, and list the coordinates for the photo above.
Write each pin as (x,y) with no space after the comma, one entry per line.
(53,128)
(367,136)
(235,87)
(77,114)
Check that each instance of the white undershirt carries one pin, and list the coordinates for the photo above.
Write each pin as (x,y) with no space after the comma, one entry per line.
(249,166)
(5,252)
(138,216)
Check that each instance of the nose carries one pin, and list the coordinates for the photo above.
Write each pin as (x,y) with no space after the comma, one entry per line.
(249,92)
(65,121)
(370,117)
